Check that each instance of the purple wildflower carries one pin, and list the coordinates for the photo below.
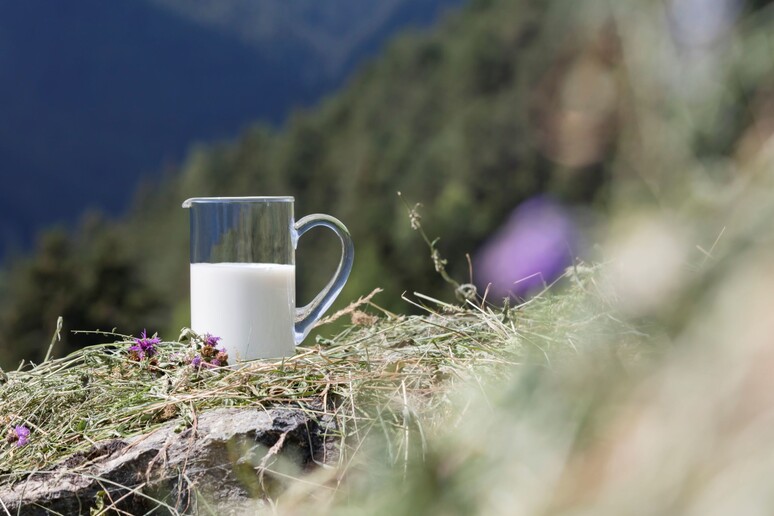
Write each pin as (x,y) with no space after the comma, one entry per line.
(211,340)
(196,361)
(530,250)
(215,362)
(22,435)
(144,346)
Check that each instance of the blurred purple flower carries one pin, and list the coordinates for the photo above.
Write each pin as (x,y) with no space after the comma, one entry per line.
(196,361)
(22,435)
(215,362)
(144,346)
(533,248)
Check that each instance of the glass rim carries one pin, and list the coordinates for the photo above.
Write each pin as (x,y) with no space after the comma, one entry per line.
(280,198)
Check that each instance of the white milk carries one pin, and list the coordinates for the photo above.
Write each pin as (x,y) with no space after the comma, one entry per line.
(250,306)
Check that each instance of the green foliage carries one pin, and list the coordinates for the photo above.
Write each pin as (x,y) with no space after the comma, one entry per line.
(93,280)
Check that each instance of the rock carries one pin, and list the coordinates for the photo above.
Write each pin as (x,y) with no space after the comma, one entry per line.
(228,459)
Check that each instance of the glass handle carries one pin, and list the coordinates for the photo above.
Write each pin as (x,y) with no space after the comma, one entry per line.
(307,315)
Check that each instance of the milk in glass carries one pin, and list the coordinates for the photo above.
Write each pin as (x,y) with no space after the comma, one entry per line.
(250,306)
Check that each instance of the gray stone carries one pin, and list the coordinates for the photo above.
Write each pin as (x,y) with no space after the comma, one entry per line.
(228,459)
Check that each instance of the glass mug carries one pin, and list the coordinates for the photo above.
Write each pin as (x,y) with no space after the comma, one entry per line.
(243,284)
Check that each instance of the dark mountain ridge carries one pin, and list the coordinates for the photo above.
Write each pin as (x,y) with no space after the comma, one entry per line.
(96,95)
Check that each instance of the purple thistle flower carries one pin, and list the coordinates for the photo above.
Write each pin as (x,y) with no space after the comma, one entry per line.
(215,362)
(145,346)
(211,340)
(22,435)
(196,361)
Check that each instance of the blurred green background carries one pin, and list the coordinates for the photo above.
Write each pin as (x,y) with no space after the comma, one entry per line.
(625,112)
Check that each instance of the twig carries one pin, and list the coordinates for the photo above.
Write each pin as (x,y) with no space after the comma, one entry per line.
(462,291)
(4,507)
(56,338)
(349,309)
(274,450)
(135,490)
